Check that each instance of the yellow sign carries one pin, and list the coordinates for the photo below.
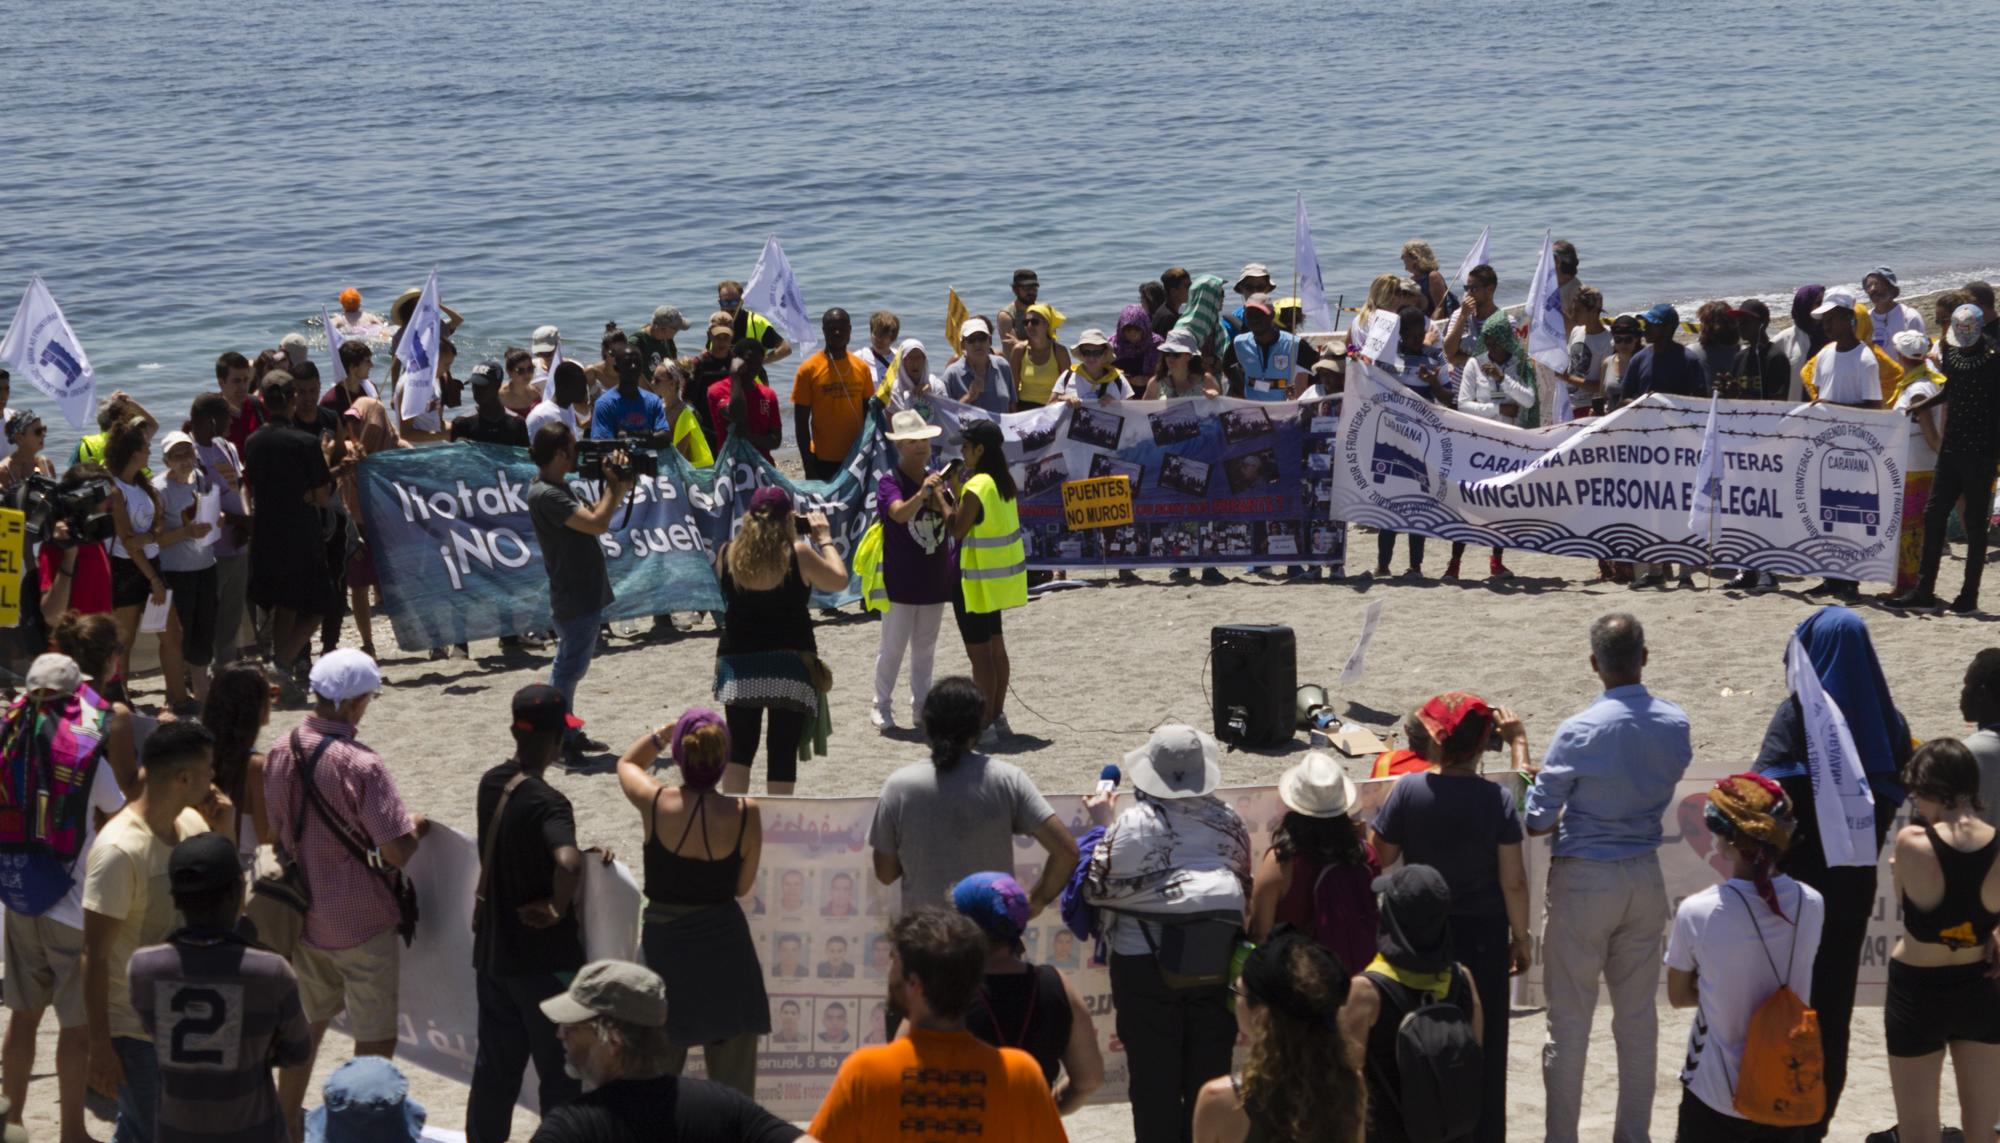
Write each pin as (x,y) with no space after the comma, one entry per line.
(13,561)
(1099,502)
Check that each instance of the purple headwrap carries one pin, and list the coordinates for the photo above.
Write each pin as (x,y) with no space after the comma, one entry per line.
(1137,360)
(1804,299)
(700,776)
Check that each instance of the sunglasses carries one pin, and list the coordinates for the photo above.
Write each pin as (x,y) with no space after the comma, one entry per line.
(729,303)
(526,367)
(1093,351)
(1037,321)
(980,338)
(1624,338)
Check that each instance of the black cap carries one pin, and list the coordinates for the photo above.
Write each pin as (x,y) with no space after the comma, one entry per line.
(1023,276)
(540,706)
(203,863)
(488,373)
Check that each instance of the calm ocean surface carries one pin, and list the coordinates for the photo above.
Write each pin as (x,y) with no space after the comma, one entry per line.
(197,177)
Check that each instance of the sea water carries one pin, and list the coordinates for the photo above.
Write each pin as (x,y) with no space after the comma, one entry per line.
(196,177)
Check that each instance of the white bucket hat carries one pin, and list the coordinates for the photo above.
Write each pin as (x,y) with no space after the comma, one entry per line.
(1317,787)
(1178,761)
(909,425)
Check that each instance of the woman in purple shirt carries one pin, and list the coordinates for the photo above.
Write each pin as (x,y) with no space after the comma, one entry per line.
(919,565)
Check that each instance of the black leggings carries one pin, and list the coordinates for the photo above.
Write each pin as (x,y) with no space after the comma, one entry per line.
(1385,547)
(781,762)
(1971,477)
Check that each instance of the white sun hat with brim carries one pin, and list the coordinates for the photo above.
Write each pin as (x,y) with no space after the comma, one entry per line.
(1178,761)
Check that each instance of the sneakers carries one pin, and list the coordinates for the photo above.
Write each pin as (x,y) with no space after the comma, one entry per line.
(1381,572)
(1127,575)
(1000,724)
(989,739)
(1963,605)
(1914,599)
(1742,581)
(881,719)
(1451,570)
(1496,569)
(1213,575)
(1651,579)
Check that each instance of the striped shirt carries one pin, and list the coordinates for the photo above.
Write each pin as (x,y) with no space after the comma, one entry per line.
(350,901)
(221,1013)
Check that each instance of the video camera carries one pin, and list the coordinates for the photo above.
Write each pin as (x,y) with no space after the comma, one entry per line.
(593,458)
(85,506)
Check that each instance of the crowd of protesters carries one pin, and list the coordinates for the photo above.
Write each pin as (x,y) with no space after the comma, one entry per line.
(249,519)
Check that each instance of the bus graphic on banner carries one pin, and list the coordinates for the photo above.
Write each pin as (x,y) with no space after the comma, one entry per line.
(1850,492)
(1400,445)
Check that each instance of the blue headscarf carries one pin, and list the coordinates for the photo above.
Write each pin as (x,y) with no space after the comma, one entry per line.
(1837,642)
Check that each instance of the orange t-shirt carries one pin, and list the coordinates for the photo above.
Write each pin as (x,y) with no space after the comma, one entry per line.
(834,391)
(938,1085)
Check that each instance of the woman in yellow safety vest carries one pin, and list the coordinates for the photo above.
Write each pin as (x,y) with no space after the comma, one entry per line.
(993,567)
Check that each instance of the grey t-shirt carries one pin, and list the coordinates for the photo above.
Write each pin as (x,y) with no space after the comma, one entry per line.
(176,501)
(578,583)
(998,396)
(946,826)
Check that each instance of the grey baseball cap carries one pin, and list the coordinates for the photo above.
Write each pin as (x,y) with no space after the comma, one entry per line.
(619,989)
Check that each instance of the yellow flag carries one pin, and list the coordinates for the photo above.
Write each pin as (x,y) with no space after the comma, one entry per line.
(954,316)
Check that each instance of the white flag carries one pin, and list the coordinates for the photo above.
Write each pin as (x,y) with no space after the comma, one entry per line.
(1548,334)
(1475,256)
(1707,476)
(774,293)
(1318,315)
(41,346)
(418,351)
(1845,804)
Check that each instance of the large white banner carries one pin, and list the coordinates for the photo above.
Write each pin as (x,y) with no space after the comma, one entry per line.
(1805,490)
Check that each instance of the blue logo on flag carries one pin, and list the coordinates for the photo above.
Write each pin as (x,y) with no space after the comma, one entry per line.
(58,358)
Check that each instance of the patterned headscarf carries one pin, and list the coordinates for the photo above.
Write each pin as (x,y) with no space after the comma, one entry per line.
(1752,812)
(996,903)
(1455,716)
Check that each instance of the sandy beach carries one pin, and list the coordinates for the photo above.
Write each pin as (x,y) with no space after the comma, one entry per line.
(1096,667)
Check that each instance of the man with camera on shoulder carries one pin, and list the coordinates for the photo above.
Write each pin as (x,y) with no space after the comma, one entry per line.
(579,585)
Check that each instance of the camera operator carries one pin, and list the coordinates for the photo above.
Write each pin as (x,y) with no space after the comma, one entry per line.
(579,585)
(629,412)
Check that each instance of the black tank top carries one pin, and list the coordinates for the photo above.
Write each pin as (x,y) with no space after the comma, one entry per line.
(672,879)
(776,619)
(1026,1010)
(1960,920)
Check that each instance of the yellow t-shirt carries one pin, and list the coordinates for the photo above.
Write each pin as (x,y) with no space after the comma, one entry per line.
(935,1085)
(835,392)
(127,880)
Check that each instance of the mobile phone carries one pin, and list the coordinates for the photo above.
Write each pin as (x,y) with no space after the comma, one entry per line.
(804,528)
(952,470)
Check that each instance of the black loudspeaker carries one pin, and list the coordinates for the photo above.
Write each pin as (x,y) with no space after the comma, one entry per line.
(1254,680)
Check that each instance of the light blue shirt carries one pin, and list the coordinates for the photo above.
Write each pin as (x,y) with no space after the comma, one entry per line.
(1609,774)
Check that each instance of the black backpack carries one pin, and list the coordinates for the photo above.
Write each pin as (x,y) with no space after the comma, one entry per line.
(1438,1060)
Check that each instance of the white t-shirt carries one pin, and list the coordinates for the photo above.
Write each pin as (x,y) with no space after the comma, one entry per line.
(548,411)
(105,796)
(1923,458)
(1599,346)
(1899,318)
(1849,378)
(1716,937)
